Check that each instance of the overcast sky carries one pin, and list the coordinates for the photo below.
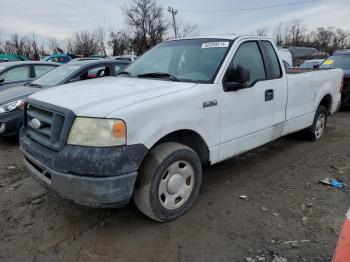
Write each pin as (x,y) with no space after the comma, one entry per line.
(60,18)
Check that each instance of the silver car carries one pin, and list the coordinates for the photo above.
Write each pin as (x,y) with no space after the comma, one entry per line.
(21,72)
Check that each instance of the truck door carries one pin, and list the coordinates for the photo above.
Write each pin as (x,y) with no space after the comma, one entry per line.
(247,114)
(279,85)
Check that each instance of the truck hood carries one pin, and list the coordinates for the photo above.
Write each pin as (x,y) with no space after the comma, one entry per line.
(16,93)
(100,97)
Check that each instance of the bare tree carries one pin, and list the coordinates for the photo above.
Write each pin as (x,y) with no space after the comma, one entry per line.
(295,32)
(119,42)
(278,34)
(341,39)
(146,20)
(84,43)
(16,43)
(53,44)
(99,34)
(184,29)
(35,47)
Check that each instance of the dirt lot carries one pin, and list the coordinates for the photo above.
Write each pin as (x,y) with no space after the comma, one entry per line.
(285,203)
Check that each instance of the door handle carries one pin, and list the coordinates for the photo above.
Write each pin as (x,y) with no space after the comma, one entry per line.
(269,95)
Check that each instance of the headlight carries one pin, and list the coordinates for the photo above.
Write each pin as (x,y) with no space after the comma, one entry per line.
(18,104)
(97,132)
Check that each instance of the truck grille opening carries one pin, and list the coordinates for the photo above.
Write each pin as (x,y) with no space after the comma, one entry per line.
(47,175)
(45,126)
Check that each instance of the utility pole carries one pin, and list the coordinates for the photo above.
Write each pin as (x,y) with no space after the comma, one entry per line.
(174,13)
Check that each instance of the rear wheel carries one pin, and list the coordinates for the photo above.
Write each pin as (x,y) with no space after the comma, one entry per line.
(169,181)
(318,128)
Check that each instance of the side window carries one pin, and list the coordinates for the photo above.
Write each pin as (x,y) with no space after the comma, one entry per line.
(119,68)
(276,71)
(42,69)
(18,73)
(94,73)
(249,56)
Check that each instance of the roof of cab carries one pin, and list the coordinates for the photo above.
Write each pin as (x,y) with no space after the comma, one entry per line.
(16,63)
(342,52)
(96,61)
(231,37)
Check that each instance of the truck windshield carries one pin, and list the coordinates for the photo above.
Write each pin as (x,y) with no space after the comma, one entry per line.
(56,76)
(337,61)
(189,60)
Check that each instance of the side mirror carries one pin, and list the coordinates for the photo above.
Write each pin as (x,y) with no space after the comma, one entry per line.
(316,66)
(236,78)
(2,81)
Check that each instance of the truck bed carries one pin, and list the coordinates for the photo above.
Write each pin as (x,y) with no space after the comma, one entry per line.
(301,70)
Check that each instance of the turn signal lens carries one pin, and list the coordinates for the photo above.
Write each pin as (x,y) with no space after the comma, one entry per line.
(119,129)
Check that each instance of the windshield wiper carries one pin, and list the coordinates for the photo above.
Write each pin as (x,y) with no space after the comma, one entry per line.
(124,73)
(33,85)
(160,75)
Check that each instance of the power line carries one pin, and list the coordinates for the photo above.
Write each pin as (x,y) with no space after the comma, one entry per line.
(252,8)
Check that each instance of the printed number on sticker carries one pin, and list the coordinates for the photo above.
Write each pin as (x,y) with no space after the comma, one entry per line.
(215,44)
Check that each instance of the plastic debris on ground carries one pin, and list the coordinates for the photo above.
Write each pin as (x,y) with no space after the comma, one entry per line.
(333,182)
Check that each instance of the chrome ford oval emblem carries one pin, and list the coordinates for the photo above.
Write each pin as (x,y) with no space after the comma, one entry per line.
(35,123)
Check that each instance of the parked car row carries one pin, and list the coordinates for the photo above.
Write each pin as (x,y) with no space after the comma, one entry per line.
(341,59)
(18,83)
(65,58)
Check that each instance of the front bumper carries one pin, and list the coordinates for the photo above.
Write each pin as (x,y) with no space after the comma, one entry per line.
(83,176)
(11,122)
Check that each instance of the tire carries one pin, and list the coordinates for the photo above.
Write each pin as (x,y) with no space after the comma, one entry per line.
(169,182)
(318,128)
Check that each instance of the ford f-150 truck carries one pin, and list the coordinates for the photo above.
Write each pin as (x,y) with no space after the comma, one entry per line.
(185,103)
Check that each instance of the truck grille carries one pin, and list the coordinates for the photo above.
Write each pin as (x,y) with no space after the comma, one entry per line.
(47,126)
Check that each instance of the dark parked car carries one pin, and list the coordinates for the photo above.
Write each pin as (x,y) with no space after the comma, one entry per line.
(12,99)
(15,73)
(341,59)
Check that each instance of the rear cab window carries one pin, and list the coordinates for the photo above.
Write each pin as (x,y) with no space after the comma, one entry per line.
(95,72)
(274,67)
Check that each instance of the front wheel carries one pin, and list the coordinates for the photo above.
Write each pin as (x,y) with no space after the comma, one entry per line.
(169,181)
(318,128)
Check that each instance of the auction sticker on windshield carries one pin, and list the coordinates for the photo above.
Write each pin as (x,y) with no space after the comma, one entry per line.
(328,62)
(215,44)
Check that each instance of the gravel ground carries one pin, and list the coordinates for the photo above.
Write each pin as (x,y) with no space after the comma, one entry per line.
(287,216)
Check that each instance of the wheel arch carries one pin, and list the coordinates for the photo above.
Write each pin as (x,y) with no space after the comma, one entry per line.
(191,139)
(326,101)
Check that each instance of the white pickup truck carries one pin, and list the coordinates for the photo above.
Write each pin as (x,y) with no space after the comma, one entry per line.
(185,103)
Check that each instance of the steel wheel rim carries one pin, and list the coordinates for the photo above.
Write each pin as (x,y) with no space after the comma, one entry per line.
(320,125)
(176,185)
